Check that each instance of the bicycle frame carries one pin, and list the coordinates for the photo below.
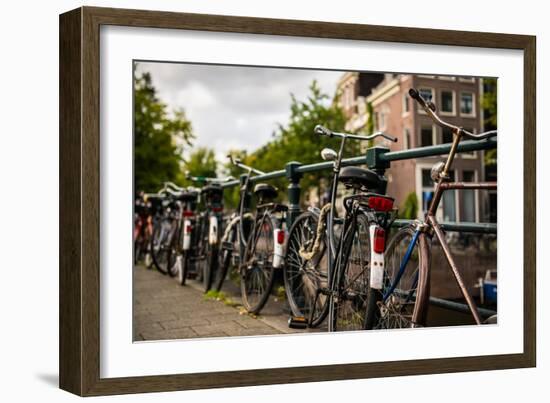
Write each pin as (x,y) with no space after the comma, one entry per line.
(430,223)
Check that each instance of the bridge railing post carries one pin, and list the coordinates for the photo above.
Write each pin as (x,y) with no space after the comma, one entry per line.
(377,164)
(293,190)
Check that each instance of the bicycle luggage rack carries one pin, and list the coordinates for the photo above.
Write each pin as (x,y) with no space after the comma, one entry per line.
(379,159)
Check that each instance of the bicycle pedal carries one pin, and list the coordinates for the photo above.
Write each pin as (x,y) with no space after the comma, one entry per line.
(297,322)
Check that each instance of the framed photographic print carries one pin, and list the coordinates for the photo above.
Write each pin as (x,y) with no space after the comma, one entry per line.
(303,201)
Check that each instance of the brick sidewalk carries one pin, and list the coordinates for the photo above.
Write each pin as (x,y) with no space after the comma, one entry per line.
(165,310)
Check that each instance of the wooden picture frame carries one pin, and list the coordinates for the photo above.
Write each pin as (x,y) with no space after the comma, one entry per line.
(80,184)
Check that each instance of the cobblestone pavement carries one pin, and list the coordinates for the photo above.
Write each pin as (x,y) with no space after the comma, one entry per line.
(165,310)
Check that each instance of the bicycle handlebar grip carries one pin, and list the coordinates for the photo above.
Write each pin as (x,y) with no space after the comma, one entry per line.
(416,96)
(319,129)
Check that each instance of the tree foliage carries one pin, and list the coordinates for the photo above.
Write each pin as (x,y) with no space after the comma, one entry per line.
(202,162)
(489,105)
(410,207)
(160,137)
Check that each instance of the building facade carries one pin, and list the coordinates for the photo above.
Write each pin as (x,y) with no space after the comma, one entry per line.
(394,112)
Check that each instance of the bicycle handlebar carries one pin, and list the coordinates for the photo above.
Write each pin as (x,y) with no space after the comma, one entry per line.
(429,108)
(172,185)
(323,131)
(238,163)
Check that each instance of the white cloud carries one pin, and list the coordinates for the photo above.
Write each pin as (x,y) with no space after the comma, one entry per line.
(233,107)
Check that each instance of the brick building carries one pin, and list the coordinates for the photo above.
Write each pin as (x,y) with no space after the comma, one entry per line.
(457,100)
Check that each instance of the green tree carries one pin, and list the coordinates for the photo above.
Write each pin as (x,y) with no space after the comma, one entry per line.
(489,105)
(410,207)
(159,138)
(202,162)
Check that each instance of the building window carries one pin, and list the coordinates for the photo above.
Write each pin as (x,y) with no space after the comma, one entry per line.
(405,104)
(468,198)
(446,135)
(466,79)
(426,136)
(382,121)
(406,139)
(381,117)
(427,94)
(449,202)
(448,102)
(467,104)
(427,189)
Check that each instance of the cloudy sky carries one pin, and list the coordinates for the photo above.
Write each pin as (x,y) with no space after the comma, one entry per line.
(233,107)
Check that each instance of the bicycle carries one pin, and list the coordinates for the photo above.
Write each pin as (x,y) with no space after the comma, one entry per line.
(253,241)
(328,273)
(208,228)
(406,290)
(148,209)
(143,229)
(171,237)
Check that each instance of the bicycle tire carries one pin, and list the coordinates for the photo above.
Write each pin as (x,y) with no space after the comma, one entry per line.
(225,255)
(162,248)
(174,252)
(304,278)
(184,268)
(261,269)
(355,299)
(407,306)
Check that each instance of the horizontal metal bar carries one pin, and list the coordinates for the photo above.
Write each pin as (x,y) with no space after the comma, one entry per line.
(440,149)
(458,307)
(230,184)
(476,227)
(430,151)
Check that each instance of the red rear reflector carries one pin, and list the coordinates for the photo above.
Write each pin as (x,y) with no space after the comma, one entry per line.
(379,243)
(280,237)
(217,209)
(188,229)
(380,203)
(187,213)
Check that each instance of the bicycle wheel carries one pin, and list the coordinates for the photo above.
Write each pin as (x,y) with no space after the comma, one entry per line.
(173,254)
(229,247)
(163,245)
(138,251)
(406,306)
(303,278)
(354,298)
(199,249)
(209,258)
(183,268)
(148,260)
(257,268)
